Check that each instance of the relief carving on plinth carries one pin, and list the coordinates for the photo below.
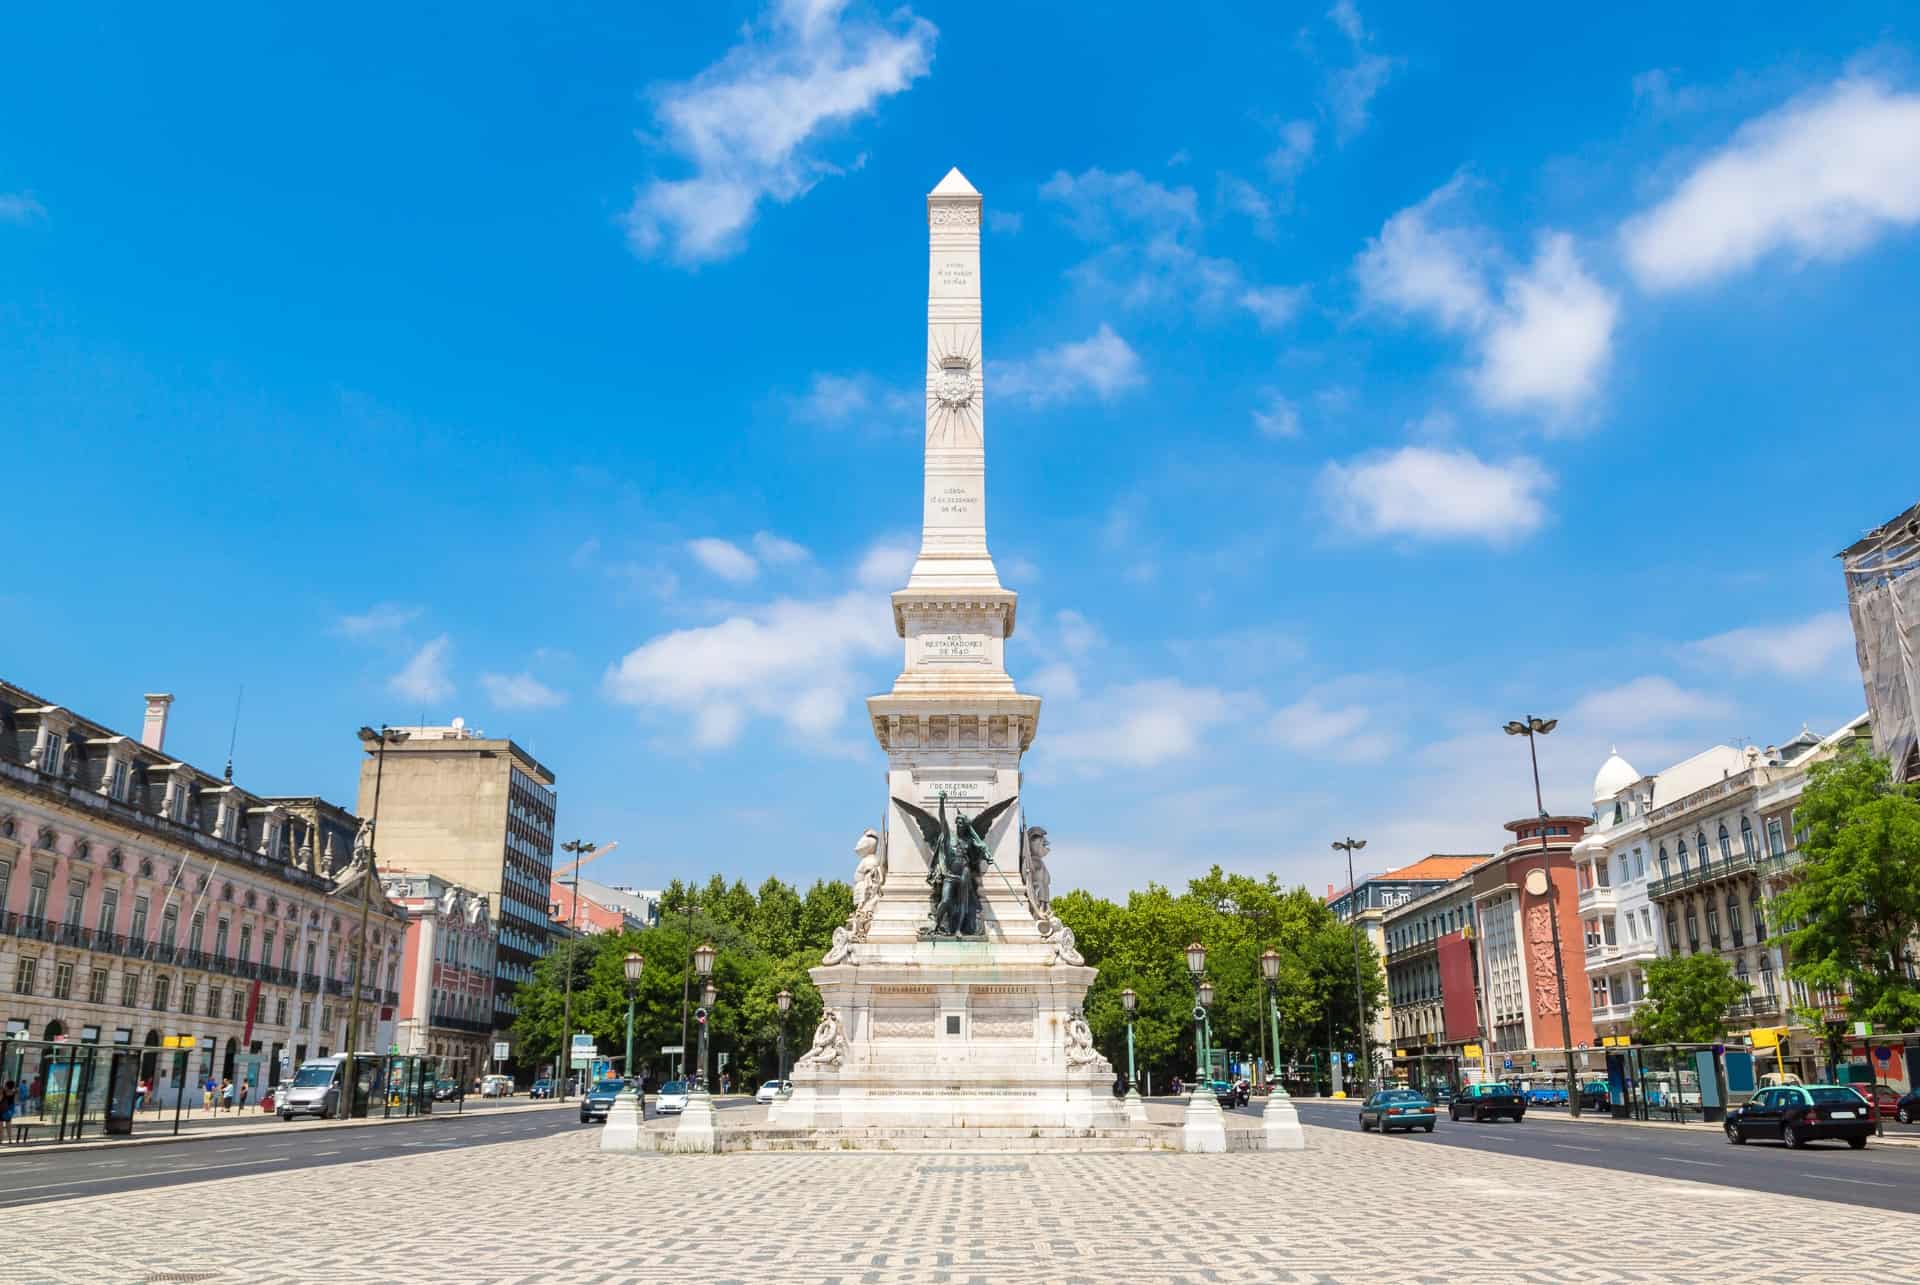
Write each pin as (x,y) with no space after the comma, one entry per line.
(1546,995)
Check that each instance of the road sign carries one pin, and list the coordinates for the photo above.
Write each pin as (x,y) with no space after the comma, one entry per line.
(583,1051)
(1883,1054)
(1349,1058)
(673,1048)
(1506,1064)
(500,1050)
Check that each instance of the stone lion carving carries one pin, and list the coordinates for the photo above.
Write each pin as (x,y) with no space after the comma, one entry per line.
(829,1043)
(1080,1050)
(1033,872)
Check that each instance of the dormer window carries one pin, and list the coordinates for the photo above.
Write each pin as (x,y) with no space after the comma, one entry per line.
(116,779)
(48,754)
(178,802)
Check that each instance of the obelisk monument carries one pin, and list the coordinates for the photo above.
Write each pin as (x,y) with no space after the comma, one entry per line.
(953,997)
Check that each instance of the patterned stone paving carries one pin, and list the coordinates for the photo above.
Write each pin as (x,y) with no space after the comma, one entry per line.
(1349,1209)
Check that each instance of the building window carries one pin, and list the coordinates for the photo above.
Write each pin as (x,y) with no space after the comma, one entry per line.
(1759,918)
(286,955)
(1713,926)
(169,925)
(1609,931)
(63,981)
(310,956)
(1746,838)
(1683,855)
(37,894)
(1766,976)
(220,939)
(1693,932)
(280,1011)
(1776,838)
(138,928)
(238,1005)
(109,910)
(162,988)
(76,901)
(1726,843)
(306,1014)
(129,989)
(213,1002)
(1663,861)
(1592,927)
(1601,993)
(97,987)
(189,991)
(23,977)
(326,1018)
(1735,925)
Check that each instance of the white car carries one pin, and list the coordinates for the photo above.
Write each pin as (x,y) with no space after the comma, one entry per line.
(672,1098)
(496,1086)
(773,1089)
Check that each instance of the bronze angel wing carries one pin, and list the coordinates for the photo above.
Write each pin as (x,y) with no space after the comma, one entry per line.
(930,827)
(982,822)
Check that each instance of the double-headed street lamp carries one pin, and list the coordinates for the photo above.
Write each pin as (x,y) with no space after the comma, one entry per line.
(784,1002)
(632,966)
(1270,970)
(1540,884)
(703,964)
(1352,845)
(384,737)
(1203,991)
(1129,1001)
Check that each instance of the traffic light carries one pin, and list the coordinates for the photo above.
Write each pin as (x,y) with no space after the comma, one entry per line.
(1534,1062)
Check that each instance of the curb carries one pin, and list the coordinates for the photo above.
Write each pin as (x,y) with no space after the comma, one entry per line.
(243,1132)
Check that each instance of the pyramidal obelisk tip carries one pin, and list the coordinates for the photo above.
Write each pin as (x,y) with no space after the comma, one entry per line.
(954,184)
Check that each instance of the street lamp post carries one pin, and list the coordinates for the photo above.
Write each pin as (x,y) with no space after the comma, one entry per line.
(1532,728)
(686,979)
(1352,845)
(1129,1001)
(1270,970)
(381,738)
(632,966)
(703,964)
(581,850)
(784,1002)
(1206,1032)
(1197,965)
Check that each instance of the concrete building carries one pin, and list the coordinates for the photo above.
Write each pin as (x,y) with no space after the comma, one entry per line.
(1514,927)
(1883,598)
(446,971)
(1370,899)
(601,909)
(142,898)
(478,812)
(1431,983)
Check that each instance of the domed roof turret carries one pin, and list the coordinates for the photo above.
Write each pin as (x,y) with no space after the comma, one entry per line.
(1615,775)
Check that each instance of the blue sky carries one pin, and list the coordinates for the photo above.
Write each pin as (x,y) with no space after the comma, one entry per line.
(1357,379)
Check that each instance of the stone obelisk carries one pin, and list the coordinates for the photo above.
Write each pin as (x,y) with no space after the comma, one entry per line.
(924,1028)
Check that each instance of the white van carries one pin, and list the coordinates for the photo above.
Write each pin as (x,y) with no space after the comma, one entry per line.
(314,1089)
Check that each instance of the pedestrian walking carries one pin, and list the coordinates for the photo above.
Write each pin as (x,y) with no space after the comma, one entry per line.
(245,1088)
(226,1095)
(207,1091)
(9,1098)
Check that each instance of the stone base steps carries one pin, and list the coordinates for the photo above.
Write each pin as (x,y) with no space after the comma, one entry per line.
(937,1140)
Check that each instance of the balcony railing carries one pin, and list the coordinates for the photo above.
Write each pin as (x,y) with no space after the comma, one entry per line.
(461,1024)
(1718,790)
(40,928)
(1705,873)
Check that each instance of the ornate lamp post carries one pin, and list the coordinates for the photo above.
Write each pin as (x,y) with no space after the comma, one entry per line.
(703,965)
(632,966)
(1270,970)
(1129,1002)
(1197,965)
(1206,1033)
(784,1002)
(1532,728)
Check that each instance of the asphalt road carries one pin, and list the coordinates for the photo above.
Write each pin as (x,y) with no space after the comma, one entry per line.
(41,1175)
(1880,1177)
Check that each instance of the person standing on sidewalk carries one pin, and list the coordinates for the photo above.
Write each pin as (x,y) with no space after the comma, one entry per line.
(9,1098)
(226,1095)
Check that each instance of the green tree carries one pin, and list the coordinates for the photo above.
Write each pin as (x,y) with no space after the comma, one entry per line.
(1687,1000)
(1850,912)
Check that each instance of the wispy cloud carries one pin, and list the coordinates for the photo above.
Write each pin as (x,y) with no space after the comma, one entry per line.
(777,550)
(1821,178)
(724,558)
(1351,89)
(1277,417)
(750,124)
(1648,702)
(1342,733)
(20,207)
(1799,649)
(1141,725)
(856,398)
(885,565)
(520,691)
(381,618)
(1431,494)
(1102,366)
(424,676)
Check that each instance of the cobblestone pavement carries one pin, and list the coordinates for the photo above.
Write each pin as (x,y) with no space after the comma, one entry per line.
(1352,1208)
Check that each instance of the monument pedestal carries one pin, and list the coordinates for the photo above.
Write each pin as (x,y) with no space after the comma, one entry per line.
(1281,1126)
(1134,1106)
(622,1130)
(1205,1128)
(695,1130)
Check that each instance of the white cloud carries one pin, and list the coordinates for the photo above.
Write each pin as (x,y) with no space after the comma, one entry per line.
(836,399)
(724,559)
(750,123)
(20,207)
(1099,205)
(1543,345)
(1056,682)
(1820,178)
(1650,701)
(1293,151)
(778,551)
(1278,418)
(1798,650)
(1273,306)
(1103,365)
(1351,89)
(1346,17)
(792,662)
(1656,89)
(1549,345)
(885,565)
(520,691)
(1021,570)
(1007,221)
(1141,725)
(585,552)
(381,618)
(1433,494)
(1242,197)
(1077,634)
(1310,727)
(424,677)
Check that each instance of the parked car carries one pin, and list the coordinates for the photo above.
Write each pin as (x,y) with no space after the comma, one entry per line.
(1440,1094)
(1546,1095)
(445,1090)
(1231,1093)
(599,1100)
(1882,1098)
(672,1098)
(1799,1114)
(1392,1109)
(315,1089)
(1488,1101)
(541,1088)
(1907,1110)
(1595,1095)
(496,1086)
(772,1089)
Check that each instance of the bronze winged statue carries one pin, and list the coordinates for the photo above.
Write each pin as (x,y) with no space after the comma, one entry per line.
(958,855)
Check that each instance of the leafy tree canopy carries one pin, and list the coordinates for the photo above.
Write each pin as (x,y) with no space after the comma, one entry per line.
(1687,1000)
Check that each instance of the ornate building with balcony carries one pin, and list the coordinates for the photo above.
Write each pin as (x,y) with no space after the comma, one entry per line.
(1431,968)
(446,971)
(142,898)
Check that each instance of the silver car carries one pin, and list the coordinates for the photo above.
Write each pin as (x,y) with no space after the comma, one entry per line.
(672,1098)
